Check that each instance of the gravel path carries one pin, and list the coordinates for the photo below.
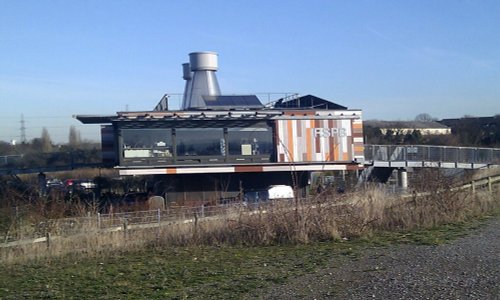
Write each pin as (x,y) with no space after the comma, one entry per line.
(466,268)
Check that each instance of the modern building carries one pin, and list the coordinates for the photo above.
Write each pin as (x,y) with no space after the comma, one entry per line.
(217,145)
(407,127)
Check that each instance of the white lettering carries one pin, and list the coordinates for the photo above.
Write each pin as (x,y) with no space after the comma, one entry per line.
(329,132)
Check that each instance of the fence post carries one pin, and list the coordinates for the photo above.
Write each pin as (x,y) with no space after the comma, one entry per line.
(125,226)
(473,186)
(489,185)
(47,237)
(159,226)
(99,220)
(18,224)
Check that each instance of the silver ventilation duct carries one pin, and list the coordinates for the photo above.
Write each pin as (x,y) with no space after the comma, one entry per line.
(186,98)
(200,78)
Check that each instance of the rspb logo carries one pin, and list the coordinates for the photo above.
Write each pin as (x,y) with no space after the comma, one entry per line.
(329,132)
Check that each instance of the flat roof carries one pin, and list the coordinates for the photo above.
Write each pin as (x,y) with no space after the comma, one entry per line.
(221,115)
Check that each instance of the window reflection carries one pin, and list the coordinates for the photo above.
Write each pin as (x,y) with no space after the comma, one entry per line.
(147,143)
(200,142)
(160,145)
(250,141)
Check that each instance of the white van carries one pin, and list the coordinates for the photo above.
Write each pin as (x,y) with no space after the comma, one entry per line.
(280,192)
(273,192)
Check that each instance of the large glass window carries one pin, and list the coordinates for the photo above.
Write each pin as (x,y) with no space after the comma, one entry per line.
(200,142)
(254,140)
(155,142)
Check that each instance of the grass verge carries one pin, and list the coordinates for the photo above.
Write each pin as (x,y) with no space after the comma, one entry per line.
(197,272)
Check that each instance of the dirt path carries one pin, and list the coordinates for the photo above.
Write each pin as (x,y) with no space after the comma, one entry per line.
(466,268)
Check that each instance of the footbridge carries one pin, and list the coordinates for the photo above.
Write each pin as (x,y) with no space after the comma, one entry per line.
(382,160)
(392,156)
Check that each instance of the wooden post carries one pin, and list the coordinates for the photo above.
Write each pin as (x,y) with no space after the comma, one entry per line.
(125,226)
(473,186)
(159,225)
(47,237)
(99,220)
(489,185)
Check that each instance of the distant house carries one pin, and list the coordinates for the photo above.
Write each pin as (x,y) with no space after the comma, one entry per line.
(407,127)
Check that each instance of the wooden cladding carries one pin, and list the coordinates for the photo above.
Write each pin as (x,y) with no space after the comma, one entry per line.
(326,140)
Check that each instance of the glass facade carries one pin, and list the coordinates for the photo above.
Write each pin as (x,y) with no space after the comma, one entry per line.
(250,141)
(146,143)
(200,142)
(150,146)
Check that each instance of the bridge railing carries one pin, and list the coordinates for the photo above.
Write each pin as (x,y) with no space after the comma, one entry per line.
(432,154)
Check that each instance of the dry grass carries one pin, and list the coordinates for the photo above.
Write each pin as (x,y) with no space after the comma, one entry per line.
(287,222)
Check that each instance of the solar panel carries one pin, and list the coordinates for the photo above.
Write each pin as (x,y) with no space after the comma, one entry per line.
(232,101)
(309,102)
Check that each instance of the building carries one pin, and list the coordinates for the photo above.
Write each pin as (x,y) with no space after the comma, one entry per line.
(218,145)
(408,127)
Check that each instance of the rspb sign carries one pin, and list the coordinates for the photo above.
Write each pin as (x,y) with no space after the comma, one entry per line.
(329,132)
(319,140)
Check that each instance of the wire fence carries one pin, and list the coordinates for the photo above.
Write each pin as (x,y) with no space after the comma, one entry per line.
(22,229)
(23,232)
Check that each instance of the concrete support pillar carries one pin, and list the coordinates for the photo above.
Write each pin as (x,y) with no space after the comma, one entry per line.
(403,178)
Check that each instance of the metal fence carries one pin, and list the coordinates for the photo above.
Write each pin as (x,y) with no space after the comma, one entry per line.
(432,154)
(24,234)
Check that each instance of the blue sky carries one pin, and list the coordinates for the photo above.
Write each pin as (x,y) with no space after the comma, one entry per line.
(392,59)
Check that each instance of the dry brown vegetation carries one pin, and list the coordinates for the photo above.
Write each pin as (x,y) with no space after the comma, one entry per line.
(321,218)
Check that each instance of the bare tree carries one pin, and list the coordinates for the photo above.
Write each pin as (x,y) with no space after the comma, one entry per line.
(424,117)
(74,137)
(46,141)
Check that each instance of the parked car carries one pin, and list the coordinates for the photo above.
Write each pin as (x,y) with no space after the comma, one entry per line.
(79,184)
(54,184)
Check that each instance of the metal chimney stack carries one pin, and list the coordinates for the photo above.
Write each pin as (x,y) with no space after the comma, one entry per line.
(200,78)
(186,98)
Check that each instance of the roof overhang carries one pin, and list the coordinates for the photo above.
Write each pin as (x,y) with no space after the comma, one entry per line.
(219,115)
(95,119)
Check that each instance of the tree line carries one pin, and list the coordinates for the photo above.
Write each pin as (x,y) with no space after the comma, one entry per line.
(466,131)
(42,151)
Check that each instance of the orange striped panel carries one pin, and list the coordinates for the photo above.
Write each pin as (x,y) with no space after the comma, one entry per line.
(309,141)
(249,169)
(345,156)
(358,149)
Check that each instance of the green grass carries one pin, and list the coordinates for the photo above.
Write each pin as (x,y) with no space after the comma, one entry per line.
(195,272)
(201,272)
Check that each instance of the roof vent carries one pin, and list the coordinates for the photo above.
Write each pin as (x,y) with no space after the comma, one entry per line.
(200,78)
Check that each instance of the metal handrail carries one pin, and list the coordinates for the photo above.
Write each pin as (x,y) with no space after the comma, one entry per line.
(432,154)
